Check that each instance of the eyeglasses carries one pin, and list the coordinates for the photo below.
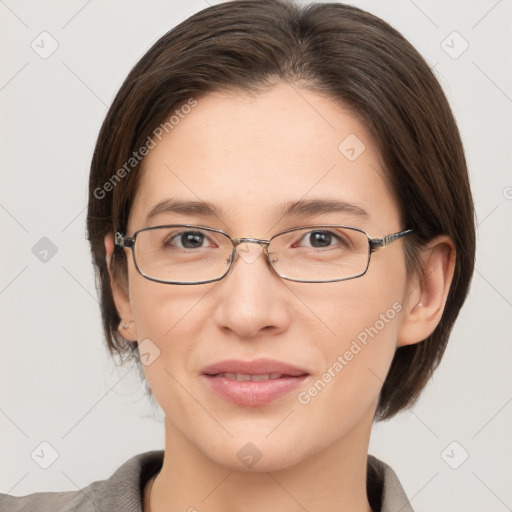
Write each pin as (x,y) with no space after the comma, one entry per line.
(188,254)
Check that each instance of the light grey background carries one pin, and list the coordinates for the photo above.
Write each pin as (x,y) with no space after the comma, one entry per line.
(59,386)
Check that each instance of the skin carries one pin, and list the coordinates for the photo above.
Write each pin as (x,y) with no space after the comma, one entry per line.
(250,155)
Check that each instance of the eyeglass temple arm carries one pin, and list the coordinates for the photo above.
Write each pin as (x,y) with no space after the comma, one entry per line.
(121,240)
(377,243)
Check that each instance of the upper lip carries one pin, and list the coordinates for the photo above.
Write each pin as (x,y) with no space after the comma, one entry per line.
(255,367)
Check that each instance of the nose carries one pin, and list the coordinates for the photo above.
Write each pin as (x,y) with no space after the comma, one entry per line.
(252,299)
(250,248)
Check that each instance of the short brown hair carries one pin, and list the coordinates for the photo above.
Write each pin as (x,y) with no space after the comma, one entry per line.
(332,49)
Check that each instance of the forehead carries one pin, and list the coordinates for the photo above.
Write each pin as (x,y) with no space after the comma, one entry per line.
(250,155)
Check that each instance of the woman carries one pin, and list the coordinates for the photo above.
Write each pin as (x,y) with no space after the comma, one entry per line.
(282,227)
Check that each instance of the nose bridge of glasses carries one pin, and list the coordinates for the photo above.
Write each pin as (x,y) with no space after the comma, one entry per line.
(249,249)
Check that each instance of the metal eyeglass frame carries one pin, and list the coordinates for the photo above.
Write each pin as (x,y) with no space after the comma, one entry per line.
(123,241)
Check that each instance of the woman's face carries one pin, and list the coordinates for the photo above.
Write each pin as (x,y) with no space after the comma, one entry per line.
(250,157)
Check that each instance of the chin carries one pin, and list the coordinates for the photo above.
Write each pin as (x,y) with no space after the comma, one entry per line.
(256,456)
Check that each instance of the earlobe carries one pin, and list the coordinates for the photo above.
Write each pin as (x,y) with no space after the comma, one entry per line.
(427,294)
(121,299)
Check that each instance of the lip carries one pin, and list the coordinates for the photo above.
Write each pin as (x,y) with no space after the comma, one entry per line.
(253,393)
(254,367)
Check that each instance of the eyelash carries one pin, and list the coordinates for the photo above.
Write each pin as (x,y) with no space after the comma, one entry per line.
(178,235)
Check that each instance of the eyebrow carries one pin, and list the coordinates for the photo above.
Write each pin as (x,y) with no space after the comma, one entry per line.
(299,208)
(184,207)
(318,206)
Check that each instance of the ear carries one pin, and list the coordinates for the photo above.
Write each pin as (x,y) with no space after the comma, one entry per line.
(120,294)
(427,293)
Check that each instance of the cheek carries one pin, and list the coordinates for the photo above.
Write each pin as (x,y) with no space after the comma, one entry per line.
(355,363)
(160,310)
(359,328)
(359,308)
(171,319)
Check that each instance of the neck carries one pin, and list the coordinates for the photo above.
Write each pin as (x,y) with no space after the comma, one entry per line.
(332,479)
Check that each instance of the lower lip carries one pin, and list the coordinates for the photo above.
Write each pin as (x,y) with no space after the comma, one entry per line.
(253,393)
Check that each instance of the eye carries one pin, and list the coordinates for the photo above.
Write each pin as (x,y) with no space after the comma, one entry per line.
(188,240)
(319,239)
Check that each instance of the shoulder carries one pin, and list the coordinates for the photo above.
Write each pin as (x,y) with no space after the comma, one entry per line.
(384,489)
(44,501)
(122,491)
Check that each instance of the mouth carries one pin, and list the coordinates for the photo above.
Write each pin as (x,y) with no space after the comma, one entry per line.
(244,377)
(253,383)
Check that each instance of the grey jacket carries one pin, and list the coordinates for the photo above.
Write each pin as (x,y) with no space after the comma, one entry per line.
(122,492)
